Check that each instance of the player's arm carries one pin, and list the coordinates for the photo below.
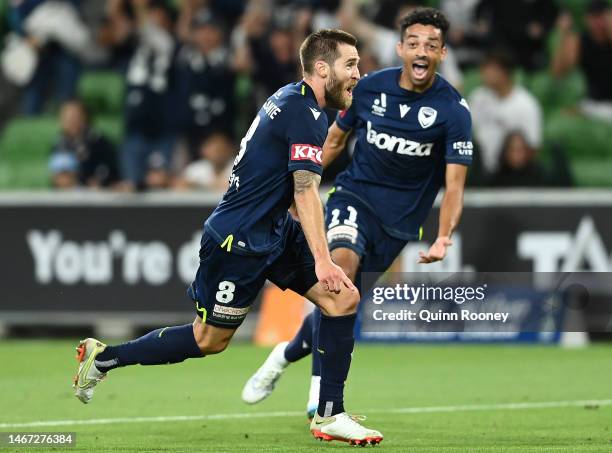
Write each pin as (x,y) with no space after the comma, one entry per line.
(333,146)
(450,213)
(458,157)
(334,143)
(310,211)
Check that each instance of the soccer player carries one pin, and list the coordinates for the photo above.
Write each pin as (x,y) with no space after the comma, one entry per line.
(250,237)
(413,135)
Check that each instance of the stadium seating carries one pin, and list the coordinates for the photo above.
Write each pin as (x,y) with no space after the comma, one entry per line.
(102,92)
(556,94)
(588,145)
(24,148)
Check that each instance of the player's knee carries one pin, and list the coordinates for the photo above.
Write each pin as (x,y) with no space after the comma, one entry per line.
(352,301)
(210,346)
(209,339)
(341,304)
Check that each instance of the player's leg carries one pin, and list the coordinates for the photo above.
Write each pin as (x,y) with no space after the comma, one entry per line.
(346,235)
(262,383)
(163,346)
(377,259)
(295,270)
(336,343)
(349,261)
(302,343)
(221,306)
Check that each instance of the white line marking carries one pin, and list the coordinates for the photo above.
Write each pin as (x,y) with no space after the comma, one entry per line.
(405,410)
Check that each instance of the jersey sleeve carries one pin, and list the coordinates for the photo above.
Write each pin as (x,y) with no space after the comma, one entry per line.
(306,134)
(459,146)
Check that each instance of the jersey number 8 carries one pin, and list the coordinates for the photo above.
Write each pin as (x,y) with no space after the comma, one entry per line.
(226,292)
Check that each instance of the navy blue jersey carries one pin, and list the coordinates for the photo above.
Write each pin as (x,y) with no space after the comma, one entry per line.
(404,140)
(286,135)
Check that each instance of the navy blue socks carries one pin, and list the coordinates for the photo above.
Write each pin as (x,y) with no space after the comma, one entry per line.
(316,355)
(162,346)
(306,342)
(336,342)
(299,347)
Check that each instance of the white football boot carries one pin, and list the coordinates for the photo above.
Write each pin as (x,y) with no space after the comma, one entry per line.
(88,375)
(345,428)
(262,383)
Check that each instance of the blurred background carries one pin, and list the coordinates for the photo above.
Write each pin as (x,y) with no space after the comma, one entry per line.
(119,121)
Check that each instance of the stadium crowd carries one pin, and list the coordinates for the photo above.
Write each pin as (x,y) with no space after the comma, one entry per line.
(193,73)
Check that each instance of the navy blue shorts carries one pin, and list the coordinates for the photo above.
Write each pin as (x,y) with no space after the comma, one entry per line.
(226,283)
(350,224)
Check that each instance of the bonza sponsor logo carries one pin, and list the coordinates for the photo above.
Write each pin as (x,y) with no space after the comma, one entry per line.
(398,144)
(306,152)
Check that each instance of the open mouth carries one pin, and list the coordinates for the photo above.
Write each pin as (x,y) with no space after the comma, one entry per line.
(419,69)
(349,90)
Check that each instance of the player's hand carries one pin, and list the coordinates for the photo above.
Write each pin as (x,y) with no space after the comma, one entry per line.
(332,278)
(436,252)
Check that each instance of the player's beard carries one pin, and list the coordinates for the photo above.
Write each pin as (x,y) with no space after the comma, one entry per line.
(334,94)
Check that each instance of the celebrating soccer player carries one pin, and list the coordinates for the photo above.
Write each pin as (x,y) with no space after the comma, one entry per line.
(250,237)
(413,135)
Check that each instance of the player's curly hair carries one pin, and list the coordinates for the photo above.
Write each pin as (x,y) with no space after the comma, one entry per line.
(425,16)
(323,45)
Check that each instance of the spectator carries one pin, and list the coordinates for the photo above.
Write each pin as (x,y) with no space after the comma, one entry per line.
(501,106)
(150,112)
(266,44)
(519,167)
(64,170)
(59,39)
(382,41)
(117,32)
(592,50)
(205,81)
(517,164)
(157,176)
(213,169)
(522,26)
(82,156)
(467,36)
(276,59)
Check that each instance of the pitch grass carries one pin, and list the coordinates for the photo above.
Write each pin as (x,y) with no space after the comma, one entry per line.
(35,378)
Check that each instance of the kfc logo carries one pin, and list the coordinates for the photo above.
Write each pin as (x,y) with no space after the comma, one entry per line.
(306,152)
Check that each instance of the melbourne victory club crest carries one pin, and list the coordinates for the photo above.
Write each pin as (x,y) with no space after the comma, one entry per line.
(427,116)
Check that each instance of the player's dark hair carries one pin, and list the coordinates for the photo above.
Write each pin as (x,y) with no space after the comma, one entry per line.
(425,16)
(323,45)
